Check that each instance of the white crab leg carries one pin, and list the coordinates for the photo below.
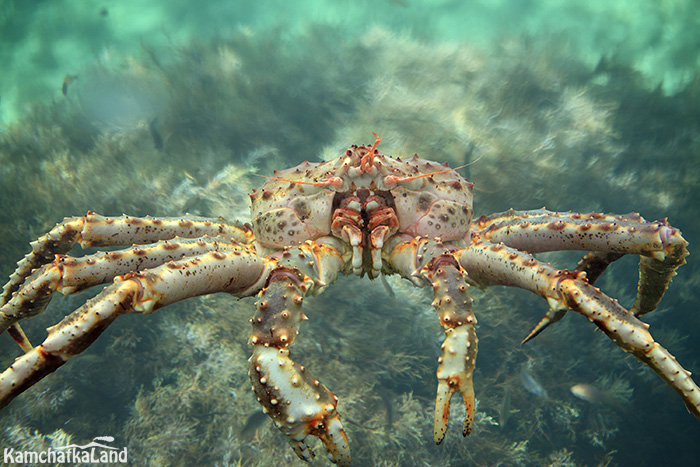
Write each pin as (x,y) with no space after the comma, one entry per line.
(542,230)
(662,248)
(298,404)
(93,230)
(238,272)
(69,275)
(495,264)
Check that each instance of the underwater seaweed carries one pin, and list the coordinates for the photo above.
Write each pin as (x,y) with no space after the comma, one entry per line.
(523,109)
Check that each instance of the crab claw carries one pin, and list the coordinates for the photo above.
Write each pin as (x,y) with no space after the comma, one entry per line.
(456,364)
(298,404)
(328,431)
(455,374)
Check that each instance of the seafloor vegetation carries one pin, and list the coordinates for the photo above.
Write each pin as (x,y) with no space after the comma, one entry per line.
(167,132)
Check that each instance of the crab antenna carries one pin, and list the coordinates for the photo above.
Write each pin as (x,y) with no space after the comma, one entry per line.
(408,179)
(330,181)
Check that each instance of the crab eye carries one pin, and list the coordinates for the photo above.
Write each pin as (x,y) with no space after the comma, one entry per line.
(390,180)
(334,181)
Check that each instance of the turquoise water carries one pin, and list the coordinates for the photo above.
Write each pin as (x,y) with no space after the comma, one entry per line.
(171,108)
(43,42)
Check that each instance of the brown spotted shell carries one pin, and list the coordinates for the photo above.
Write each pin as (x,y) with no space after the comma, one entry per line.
(286,212)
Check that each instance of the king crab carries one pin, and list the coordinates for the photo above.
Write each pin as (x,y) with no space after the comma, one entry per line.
(364,213)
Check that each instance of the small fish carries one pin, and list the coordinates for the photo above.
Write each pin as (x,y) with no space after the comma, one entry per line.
(504,414)
(66,82)
(592,394)
(531,385)
(254,421)
(157,140)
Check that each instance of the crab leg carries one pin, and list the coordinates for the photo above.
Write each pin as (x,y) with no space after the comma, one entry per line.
(593,264)
(423,262)
(542,230)
(298,404)
(238,272)
(661,247)
(70,275)
(93,230)
(495,264)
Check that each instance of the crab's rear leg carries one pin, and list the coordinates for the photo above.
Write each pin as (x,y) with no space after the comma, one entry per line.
(593,264)
(69,275)
(424,261)
(298,404)
(661,248)
(495,264)
(94,230)
(239,272)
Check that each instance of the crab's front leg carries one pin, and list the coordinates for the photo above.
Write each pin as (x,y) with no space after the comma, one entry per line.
(424,261)
(297,403)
